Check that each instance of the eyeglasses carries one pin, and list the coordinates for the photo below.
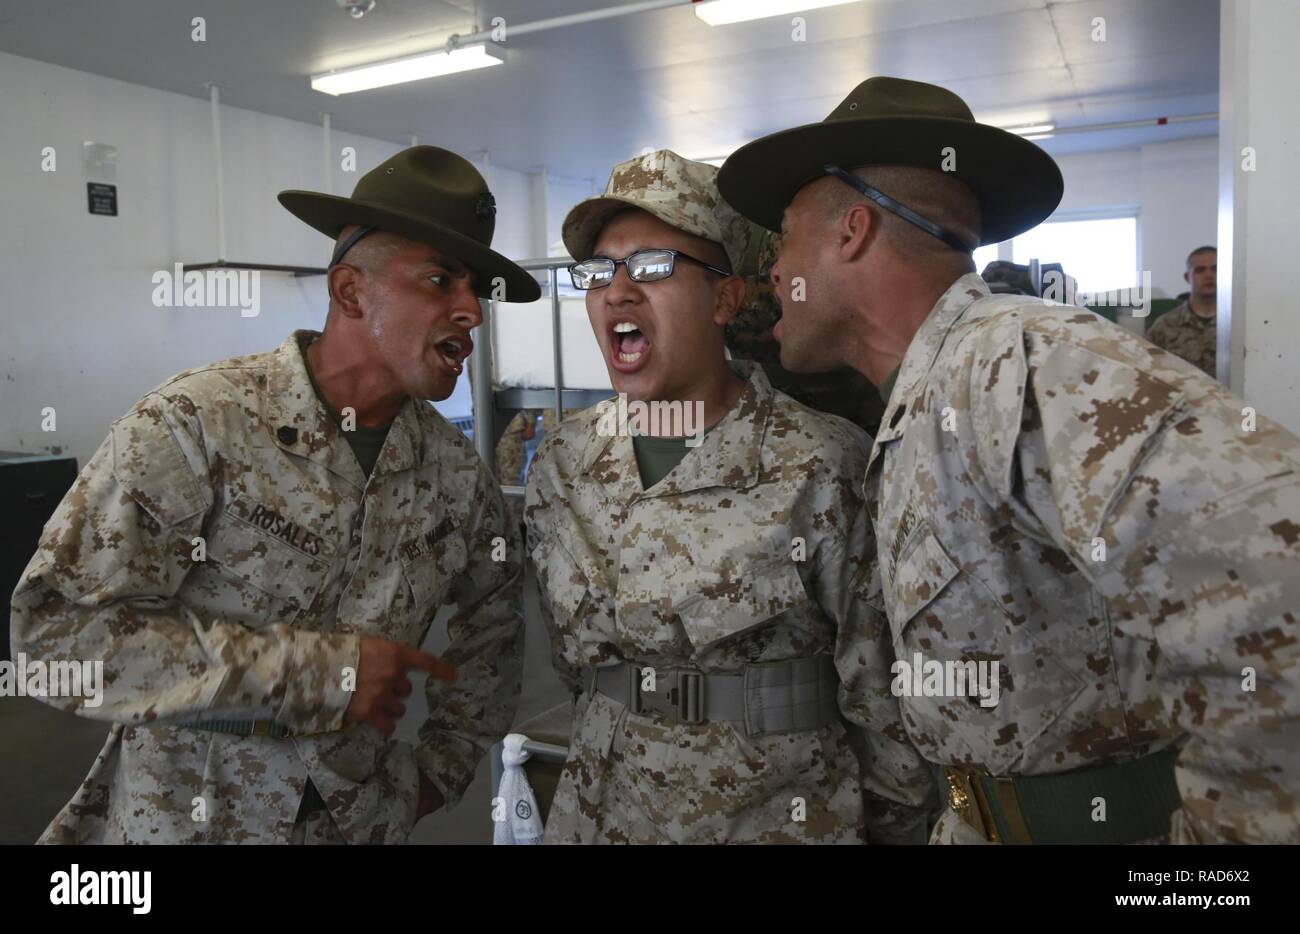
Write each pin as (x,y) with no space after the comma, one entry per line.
(902,210)
(642,266)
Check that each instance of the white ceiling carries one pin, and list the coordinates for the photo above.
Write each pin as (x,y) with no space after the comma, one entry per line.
(579,98)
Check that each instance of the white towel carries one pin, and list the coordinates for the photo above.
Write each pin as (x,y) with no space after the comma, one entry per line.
(515,804)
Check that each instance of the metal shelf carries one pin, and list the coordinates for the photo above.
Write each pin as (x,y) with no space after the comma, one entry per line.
(265,267)
(573,399)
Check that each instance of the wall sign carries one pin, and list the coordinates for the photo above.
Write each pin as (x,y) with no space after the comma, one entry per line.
(102,198)
(99,161)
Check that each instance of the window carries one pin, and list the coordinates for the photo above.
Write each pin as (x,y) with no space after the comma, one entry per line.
(1101,254)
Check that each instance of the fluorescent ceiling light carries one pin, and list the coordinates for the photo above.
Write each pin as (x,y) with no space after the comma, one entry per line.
(712,156)
(726,12)
(1033,131)
(409,68)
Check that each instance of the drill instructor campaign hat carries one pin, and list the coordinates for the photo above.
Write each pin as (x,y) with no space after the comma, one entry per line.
(428,195)
(678,191)
(892,121)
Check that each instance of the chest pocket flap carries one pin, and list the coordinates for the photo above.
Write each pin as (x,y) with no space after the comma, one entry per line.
(431,572)
(741,604)
(263,561)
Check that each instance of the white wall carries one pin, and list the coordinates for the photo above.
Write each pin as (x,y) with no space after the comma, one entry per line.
(1097,181)
(78,328)
(1259,200)
(513,193)
(562,195)
(1179,207)
(1174,188)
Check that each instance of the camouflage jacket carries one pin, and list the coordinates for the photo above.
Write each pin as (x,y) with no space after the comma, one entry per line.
(1057,495)
(1186,334)
(704,570)
(303,557)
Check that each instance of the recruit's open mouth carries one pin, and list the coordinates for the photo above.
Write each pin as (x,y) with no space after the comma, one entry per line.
(629,345)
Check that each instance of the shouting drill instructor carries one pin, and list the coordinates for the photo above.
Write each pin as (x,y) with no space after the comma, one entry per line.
(260,546)
(1051,495)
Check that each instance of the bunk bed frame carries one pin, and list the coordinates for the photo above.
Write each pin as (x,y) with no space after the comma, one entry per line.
(493,409)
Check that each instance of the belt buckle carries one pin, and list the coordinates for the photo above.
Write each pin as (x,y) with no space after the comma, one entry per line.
(261,728)
(678,695)
(690,696)
(966,798)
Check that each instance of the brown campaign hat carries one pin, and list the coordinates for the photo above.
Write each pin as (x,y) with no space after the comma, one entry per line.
(892,121)
(429,195)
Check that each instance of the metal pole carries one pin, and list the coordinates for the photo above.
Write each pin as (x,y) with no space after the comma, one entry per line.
(325,151)
(220,174)
(1128,124)
(574,19)
(480,377)
(553,281)
(545,751)
(541,204)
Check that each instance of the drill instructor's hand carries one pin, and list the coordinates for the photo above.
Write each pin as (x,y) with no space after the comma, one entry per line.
(382,681)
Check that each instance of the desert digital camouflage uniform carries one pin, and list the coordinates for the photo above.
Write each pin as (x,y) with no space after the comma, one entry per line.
(843,391)
(1186,334)
(1019,437)
(303,557)
(699,571)
(511,450)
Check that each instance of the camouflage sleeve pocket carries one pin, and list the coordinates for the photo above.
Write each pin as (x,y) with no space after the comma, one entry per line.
(1099,419)
(999,372)
(148,463)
